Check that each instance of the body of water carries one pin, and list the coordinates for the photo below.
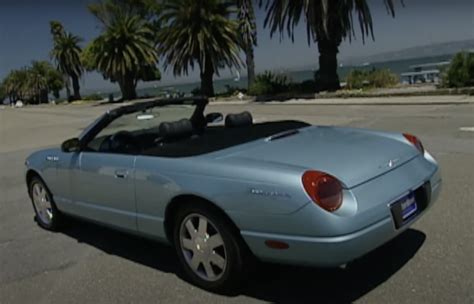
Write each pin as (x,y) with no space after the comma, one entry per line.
(220,85)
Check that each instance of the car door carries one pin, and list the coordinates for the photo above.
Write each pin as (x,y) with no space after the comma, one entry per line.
(102,177)
(103,188)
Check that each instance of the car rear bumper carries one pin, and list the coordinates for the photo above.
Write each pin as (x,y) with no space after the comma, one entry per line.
(331,251)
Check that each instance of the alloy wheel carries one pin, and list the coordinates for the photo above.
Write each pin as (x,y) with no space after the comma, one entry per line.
(42,202)
(203,248)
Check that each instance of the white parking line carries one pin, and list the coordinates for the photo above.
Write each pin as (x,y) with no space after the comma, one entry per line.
(467,129)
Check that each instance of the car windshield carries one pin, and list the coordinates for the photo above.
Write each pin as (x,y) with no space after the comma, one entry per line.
(142,123)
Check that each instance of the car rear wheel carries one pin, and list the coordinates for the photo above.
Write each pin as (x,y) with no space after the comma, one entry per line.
(210,252)
(46,214)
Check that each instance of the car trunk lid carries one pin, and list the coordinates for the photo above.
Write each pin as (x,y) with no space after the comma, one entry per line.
(352,155)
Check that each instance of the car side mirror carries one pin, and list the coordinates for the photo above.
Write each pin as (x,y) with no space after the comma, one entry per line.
(214,117)
(71,145)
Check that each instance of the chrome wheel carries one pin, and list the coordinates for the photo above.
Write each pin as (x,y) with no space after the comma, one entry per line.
(203,247)
(42,202)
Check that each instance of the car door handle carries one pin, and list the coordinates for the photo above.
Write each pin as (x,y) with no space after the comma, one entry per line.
(121,174)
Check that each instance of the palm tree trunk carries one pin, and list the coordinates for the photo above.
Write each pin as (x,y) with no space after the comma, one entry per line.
(76,88)
(250,66)
(43,96)
(128,88)
(207,85)
(327,78)
(68,90)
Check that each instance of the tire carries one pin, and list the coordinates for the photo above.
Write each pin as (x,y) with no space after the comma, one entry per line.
(212,263)
(47,215)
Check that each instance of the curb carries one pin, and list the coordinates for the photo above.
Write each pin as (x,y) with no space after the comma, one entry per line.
(345,103)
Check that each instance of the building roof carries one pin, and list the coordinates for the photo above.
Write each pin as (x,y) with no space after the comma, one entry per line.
(419,73)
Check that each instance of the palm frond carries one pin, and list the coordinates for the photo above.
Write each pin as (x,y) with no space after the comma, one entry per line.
(124,49)
(325,19)
(199,32)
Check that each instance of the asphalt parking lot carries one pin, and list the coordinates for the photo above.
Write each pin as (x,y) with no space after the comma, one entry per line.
(433,262)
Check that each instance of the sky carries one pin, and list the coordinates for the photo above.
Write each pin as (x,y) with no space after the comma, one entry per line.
(25,36)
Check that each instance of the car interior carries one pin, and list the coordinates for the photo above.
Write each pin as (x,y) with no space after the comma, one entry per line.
(186,137)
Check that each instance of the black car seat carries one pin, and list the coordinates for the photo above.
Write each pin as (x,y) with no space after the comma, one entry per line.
(239,120)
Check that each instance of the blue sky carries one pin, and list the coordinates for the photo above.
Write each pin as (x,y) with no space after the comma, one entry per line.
(24,34)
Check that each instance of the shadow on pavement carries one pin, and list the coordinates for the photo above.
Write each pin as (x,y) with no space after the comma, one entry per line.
(286,284)
(270,282)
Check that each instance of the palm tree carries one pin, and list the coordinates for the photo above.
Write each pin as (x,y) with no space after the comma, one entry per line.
(199,32)
(15,84)
(108,11)
(3,93)
(33,83)
(38,82)
(328,22)
(67,54)
(56,29)
(124,53)
(248,33)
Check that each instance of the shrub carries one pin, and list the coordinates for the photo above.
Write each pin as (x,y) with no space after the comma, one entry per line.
(196,92)
(383,79)
(305,87)
(358,79)
(230,91)
(460,72)
(270,83)
(93,97)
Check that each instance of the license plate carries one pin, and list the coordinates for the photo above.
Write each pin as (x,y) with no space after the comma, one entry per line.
(409,206)
(404,209)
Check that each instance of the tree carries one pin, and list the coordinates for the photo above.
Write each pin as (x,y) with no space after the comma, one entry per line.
(328,23)
(460,72)
(109,11)
(15,84)
(248,33)
(33,84)
(124,53)
(67,55)
(3,92)
(38,82)
(199,32)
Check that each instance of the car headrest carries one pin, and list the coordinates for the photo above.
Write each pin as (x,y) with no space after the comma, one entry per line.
(176,130)
(243,119)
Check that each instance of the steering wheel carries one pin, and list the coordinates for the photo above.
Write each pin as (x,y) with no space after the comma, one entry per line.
(124,142)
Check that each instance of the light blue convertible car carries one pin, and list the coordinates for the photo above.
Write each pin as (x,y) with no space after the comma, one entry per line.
(223,191)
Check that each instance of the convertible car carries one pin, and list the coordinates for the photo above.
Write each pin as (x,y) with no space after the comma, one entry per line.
(224,191)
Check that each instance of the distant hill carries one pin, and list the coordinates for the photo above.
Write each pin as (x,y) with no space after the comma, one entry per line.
(431,50)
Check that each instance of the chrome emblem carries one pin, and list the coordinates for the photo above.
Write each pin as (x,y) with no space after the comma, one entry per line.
(269,193)
(391,163)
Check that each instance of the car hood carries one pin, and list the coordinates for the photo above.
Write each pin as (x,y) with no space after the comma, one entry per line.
(352,155)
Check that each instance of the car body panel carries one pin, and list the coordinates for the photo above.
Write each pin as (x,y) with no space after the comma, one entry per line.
(100,194)
(352,155)
(312,221)
(330,251)
(231,186)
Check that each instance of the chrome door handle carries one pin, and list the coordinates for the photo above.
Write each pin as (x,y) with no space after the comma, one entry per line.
(121,174)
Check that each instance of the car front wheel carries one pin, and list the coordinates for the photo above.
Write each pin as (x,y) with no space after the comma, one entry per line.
(211,252)
(46,214)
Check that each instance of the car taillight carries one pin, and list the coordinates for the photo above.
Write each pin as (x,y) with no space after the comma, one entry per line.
(324,189)
(415,142)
